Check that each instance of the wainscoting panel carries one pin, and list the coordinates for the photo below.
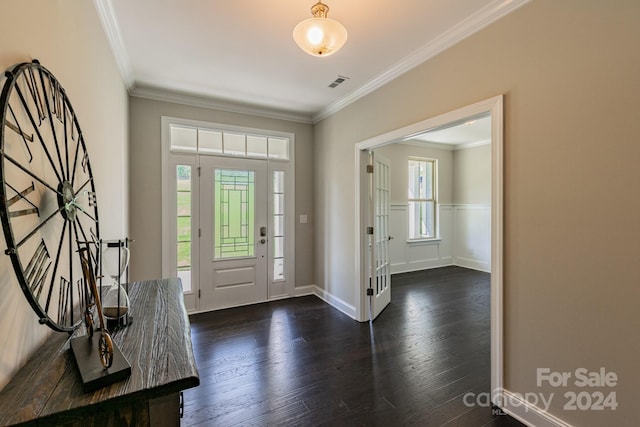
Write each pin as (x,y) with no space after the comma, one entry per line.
(465,239)
(472,236)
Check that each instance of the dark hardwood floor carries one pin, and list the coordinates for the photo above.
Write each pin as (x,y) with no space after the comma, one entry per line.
(301,362)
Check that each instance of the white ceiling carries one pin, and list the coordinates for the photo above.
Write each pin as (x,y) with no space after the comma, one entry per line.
(468,132)
(241,52)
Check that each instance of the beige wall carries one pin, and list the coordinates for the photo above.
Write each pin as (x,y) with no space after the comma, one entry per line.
(472,175)
(464,175)
(569,71)
(67,38)
(146,186)
(398,155)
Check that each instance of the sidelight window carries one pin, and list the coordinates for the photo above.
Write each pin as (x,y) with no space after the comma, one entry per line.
(183,218)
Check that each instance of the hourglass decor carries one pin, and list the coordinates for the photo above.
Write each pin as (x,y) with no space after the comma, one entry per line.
(115,262)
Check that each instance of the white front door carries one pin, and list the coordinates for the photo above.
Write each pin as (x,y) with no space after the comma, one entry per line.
(234,235)
(380,267)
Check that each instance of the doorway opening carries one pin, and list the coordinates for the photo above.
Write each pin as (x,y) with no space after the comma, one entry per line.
(365,262)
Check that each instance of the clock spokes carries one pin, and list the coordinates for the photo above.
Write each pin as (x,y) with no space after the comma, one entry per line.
(38,108)
(54,91)
(48,112)
(30,173)
(36,129)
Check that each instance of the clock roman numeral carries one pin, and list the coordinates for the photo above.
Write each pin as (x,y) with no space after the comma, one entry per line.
(91,195)
(85,162)
(56,99)
(21,196)
(73,127)
(18,129)
(37,269)
(65,302)
(36,96)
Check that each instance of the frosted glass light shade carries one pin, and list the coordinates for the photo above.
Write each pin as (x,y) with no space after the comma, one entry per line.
(320,36)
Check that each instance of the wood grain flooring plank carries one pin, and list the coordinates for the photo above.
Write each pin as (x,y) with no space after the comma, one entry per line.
(301,362)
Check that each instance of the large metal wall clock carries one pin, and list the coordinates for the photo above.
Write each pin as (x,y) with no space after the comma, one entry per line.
(47,194)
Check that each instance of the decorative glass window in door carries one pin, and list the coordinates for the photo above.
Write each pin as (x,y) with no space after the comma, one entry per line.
(234,196)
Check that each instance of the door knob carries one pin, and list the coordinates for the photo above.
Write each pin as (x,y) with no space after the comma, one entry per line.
(263,241)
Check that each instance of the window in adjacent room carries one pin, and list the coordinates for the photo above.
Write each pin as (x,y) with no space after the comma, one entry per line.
(422,198)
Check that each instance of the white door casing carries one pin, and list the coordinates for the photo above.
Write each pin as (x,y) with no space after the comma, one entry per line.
(494,106)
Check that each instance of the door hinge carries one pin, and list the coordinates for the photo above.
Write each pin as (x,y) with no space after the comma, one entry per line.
(199,170)
(198,293)
(369,230)
(199,232)
(369,168)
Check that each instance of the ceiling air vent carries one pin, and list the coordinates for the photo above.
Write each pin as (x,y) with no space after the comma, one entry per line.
(338,81)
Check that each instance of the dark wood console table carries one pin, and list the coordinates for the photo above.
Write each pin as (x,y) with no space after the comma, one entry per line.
(157,344)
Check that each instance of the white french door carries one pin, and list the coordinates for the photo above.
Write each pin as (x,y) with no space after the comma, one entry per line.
(380,268)
(234,232)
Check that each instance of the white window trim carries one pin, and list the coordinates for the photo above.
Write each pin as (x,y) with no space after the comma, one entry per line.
(168,215)
(436,222)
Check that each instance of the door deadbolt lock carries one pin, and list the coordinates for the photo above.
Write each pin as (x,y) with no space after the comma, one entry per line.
(263,232)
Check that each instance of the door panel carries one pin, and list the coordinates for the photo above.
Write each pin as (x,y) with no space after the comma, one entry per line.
(380,265)
(233,222)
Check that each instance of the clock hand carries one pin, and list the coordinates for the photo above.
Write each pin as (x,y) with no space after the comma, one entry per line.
(74,200)
(80,208)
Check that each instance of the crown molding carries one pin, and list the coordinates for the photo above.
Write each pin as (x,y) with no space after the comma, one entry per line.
(484,17)
(112,31)
(158,94)
(474,23)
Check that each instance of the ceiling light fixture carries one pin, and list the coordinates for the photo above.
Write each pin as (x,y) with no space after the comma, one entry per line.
(320,36)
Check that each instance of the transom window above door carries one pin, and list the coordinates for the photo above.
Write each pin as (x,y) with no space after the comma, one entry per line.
(227,142)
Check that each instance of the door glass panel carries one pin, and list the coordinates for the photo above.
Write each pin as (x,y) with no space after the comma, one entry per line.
(278,225)
(183,218)
(234,197)
(184,138)
(279,148)
(234,143)
(256,146)
(209,141)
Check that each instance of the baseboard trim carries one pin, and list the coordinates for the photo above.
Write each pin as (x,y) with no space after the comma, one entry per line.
(445,262)
(522,410)
(472,264)
(301,291)
(327,297)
